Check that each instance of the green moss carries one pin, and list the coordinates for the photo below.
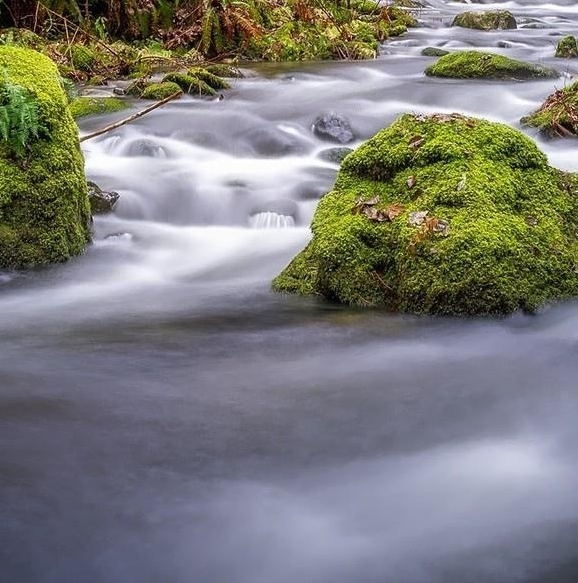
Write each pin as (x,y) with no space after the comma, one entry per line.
(483,65)
(82,57)
(558,115)
(83,106)
(212,80)
(44,209)
(189,84)
(434,52)
(224,70)
(490,20)
(160,90)
(332,31)
(567,48)
(443,214)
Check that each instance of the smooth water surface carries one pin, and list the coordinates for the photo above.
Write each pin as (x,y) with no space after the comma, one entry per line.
(165,417)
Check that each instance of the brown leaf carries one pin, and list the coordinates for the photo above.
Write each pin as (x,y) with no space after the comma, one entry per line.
(360,204)
(375,215)
(416,142)
(531,221)
(393,211)
(417,218)
(411,181)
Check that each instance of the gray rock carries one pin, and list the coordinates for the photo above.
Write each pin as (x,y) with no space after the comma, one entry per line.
(101,201)
(333,127)
(335,155)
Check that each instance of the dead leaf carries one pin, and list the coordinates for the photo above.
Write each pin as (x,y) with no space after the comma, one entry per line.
(531,221)
(417,218)
(411,181)
(393,211)
(361,204)
(416,142)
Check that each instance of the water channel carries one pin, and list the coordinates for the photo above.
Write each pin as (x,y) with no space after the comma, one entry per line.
(164,416)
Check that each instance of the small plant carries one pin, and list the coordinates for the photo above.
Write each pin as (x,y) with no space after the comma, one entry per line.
(20,123)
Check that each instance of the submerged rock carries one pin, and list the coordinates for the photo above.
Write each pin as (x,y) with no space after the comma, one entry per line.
(491,20)
(333,127)
(335,155)
(101,201)
(567,48)
(434,52)
(558,115)
(44,209)
(443,214)
(484,65)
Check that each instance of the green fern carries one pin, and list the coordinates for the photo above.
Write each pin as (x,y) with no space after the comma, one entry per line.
(20,123)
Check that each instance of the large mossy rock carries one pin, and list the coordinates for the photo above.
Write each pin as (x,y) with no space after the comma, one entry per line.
(44,209)
(557,117)
(443,214)
(491,20)
(484,65)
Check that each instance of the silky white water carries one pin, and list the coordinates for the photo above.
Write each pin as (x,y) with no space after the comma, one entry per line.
(165,417)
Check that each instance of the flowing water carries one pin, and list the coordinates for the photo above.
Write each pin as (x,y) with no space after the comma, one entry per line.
(165,417)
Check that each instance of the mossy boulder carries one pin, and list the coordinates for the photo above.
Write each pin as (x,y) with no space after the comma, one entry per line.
(490,20)
(83,106)
(159,90)
(558,115)
(44,209)
(443,214)
(225,70)
(484,65)
(434,52)
(567,48)
(197,81)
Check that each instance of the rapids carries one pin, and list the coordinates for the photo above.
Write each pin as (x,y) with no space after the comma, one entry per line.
(165,417)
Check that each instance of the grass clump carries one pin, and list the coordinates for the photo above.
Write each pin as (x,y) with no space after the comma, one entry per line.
(558,115)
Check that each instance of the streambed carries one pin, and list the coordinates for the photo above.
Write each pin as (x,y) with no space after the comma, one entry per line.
(165,417)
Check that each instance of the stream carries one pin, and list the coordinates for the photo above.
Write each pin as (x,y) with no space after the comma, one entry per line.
(165,417)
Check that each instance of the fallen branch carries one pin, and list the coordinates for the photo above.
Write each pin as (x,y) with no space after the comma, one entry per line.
(122,122)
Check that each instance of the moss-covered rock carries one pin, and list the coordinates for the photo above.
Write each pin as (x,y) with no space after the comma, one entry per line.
(189,84)
(558,115)
(44,209)
(443,214)
(567,48)
(83,106)
(212,80)
(159,90)
(434,52)
(226,71)
(490,20)
(484,65)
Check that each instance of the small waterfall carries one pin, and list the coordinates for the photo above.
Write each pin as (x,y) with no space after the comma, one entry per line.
(271,220)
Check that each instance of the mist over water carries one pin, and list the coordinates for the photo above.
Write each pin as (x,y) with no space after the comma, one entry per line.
(165,417)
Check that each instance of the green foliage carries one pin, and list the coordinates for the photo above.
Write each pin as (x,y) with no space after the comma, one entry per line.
(484,65)
(443,214)
(20,124)
(558,115)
